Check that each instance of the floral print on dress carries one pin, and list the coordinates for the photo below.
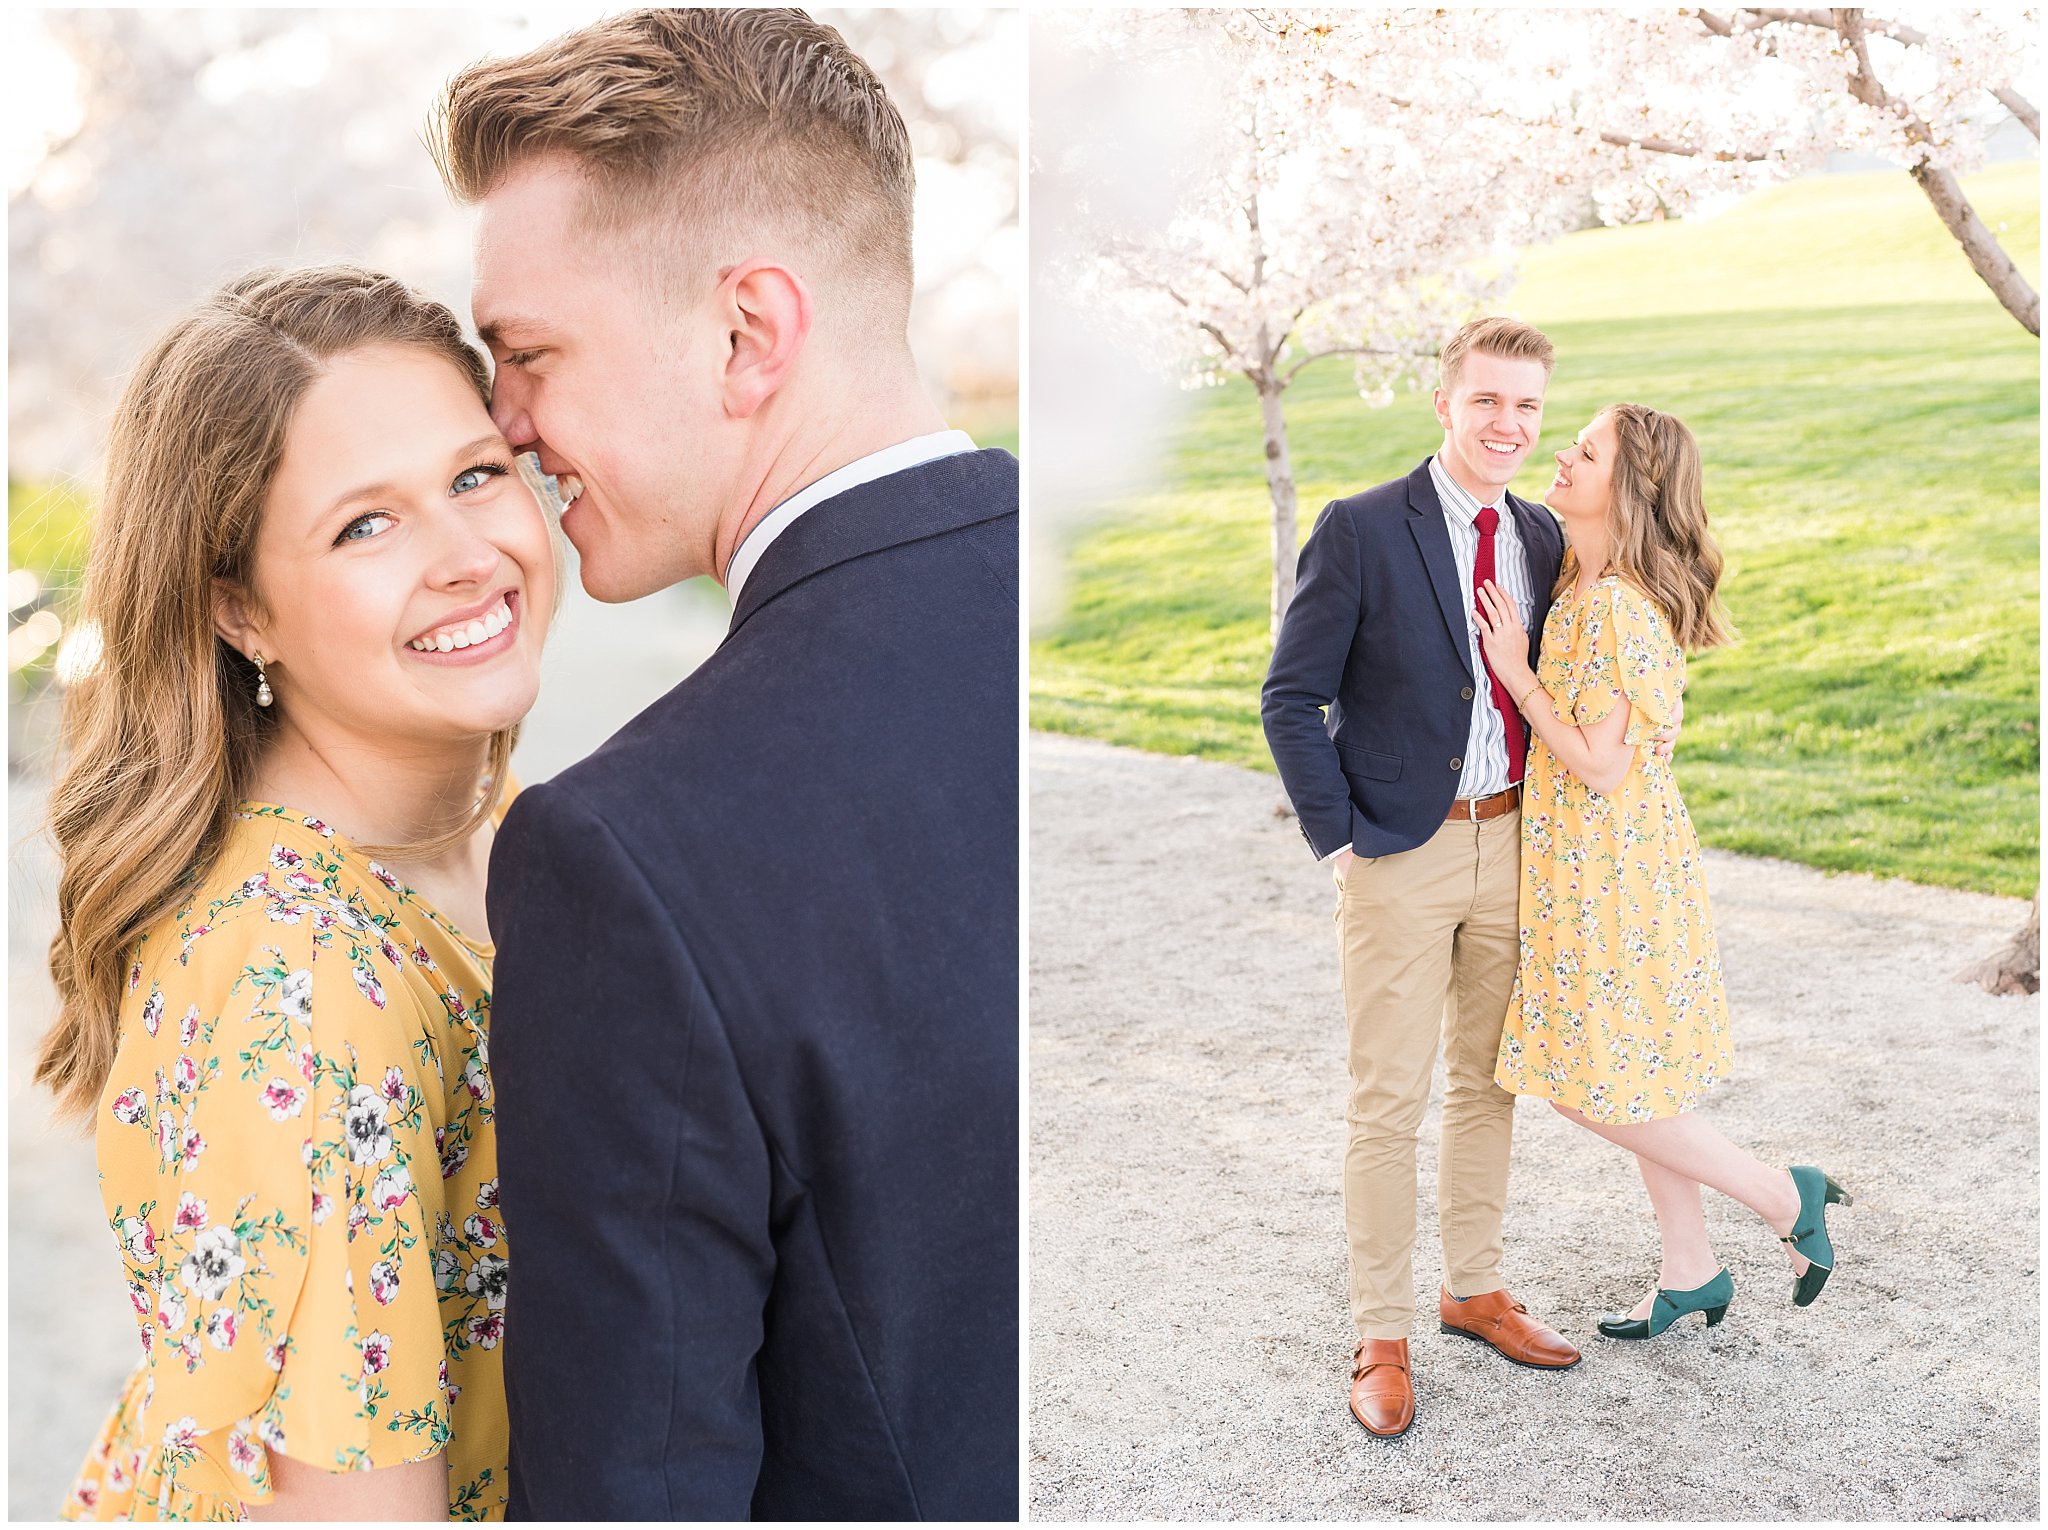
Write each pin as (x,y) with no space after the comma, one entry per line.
(299,1166)
(1619,1010)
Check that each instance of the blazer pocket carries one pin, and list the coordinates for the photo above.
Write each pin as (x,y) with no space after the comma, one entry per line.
(1369,763)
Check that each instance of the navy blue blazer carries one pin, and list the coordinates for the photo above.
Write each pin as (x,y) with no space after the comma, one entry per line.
(1377,633)
(754,1041)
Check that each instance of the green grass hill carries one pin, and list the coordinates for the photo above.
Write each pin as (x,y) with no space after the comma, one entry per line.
(1869,418)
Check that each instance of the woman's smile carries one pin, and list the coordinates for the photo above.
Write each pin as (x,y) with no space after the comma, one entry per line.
(473,635)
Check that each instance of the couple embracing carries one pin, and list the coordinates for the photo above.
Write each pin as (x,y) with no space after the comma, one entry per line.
(642,1144)
(1517,875)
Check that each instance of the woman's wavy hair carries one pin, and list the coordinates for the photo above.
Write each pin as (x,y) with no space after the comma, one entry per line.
(1657,535)
(162,735)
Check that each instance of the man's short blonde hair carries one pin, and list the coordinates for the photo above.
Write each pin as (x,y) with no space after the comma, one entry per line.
(1509,338)
(760,119)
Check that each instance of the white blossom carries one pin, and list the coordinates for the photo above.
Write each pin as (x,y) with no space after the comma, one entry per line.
(1355,180)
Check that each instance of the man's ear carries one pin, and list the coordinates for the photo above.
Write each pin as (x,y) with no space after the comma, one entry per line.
(768,318)
(1443,408)
(235,619)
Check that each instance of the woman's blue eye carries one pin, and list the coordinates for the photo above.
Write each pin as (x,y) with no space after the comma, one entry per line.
(482,473)
(349,533)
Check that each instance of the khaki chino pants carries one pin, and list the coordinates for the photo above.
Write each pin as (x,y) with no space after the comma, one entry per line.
(1429,940)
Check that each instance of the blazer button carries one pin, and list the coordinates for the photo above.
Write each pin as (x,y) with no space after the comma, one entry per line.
(1456,763)
(1465,694)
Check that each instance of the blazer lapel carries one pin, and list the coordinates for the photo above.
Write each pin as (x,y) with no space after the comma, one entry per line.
(1433,538)
(942,495)
(1542,550)
(1542,543)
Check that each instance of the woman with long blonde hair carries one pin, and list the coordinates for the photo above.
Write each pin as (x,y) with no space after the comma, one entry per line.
(320,590)
(1619,1015)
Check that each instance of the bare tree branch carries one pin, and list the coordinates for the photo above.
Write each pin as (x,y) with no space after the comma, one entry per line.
(2020,107)
(1251,213)
(1825,21)
(1335,350)
(1942,189)
(1231,281)
(1812,18)
(1230,351)
(1653,145)
(1877,26)
(1671,146)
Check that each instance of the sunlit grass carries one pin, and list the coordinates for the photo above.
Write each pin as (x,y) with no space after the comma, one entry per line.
(1872,474)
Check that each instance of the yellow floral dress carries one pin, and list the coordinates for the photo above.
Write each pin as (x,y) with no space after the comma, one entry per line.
(299,1165)
(1619,1011)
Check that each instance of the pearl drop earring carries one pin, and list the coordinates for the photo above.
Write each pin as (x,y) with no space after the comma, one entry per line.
(263,696)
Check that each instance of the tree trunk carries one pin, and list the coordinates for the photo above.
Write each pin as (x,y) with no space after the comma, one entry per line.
(1987,257)
(2022,108)
(2016,968)
(1280,487)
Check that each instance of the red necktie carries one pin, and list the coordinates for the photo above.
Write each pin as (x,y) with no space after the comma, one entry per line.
(1488,521)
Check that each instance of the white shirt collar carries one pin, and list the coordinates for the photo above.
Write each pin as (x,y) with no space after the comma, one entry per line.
(1459,500)
(890,459)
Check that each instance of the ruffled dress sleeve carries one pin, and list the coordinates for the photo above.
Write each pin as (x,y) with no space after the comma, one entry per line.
(1628,652)
(272,1174)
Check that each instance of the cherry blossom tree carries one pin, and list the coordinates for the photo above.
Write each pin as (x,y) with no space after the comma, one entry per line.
(1303,241)
(1921,96)
(1371,170)
(1370,175)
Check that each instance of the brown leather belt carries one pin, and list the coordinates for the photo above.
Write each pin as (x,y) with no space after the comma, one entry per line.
(1479,809)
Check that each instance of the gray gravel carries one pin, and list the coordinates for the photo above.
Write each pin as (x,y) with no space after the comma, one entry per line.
(1188,1326)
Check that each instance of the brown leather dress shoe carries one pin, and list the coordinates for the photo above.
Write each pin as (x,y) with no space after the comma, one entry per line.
(1500,1320)
(1382,1391)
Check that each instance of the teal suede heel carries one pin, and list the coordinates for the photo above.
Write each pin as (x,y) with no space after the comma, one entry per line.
(1809,1235)
(1712,1299)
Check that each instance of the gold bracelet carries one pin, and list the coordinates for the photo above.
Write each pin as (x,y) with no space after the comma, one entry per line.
(1522,701)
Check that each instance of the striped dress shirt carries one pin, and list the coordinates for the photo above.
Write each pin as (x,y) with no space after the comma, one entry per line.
(1486,748)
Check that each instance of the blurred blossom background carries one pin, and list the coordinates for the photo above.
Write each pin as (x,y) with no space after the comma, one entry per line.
(151,154)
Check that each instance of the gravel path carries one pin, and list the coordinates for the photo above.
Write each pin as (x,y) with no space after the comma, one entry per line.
(1189,1333)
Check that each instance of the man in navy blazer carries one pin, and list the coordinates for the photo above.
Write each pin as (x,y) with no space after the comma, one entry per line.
(754,1029)
(1409,786)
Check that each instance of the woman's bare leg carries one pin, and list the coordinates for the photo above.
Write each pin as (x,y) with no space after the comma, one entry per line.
(1687,1256)
(1692,1149)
